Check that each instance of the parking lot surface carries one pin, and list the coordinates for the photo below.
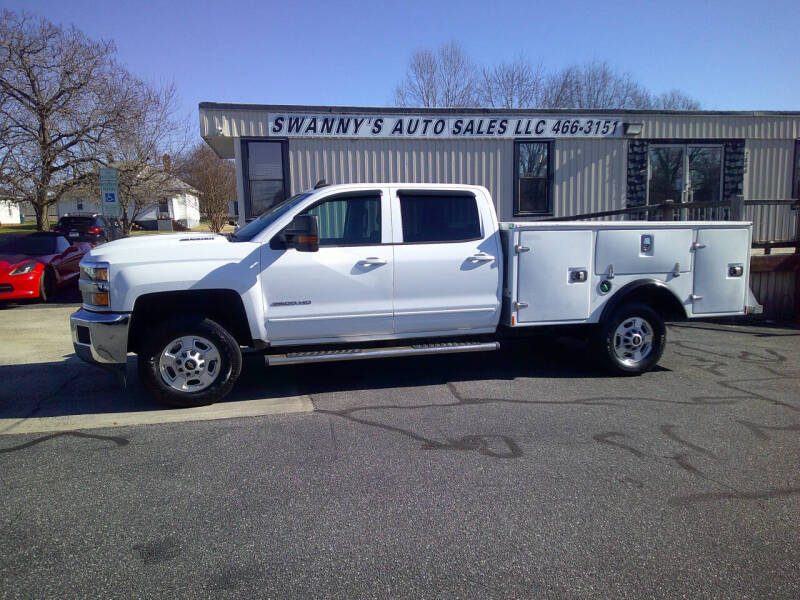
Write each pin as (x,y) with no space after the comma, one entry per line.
(525,473)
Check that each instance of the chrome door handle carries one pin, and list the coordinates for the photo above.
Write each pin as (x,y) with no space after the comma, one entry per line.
(481,256)
(372,260)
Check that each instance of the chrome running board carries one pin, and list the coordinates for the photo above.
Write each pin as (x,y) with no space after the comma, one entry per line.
(293,358)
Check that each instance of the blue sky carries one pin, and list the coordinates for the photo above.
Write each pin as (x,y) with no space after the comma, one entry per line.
(730,55)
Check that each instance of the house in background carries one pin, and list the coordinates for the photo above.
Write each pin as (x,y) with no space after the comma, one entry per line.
(9,212)
(178,202)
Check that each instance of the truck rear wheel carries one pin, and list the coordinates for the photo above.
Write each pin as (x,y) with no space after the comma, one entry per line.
(189,361)
(632,341)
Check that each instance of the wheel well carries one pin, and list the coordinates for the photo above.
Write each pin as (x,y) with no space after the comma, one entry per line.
(223,306)
(650,293)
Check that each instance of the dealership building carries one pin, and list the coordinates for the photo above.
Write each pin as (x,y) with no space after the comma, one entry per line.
(535,163)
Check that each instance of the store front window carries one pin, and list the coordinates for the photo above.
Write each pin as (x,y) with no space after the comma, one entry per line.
(686,173)
(266,175)
(532,189)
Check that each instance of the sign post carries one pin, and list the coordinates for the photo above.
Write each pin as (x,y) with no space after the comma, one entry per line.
(109,192)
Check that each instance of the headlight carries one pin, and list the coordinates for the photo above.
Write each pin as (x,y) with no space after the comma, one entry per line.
(94,285)
(24,268)
(95,272)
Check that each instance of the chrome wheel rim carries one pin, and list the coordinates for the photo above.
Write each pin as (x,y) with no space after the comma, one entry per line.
(189,363)
(633,341)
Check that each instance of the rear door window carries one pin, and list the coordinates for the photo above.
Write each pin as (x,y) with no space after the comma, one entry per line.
(432,218)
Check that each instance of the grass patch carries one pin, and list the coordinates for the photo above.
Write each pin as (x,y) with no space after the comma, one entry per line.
(18,228)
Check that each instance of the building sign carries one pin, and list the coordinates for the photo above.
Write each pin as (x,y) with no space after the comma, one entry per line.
(435,127)
(109,192)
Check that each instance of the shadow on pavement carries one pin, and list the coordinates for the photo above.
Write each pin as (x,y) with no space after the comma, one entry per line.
(72,387)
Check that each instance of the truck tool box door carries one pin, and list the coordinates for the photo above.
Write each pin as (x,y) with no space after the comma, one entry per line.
(640,251)
(721,271)
(345,288)
(554,282)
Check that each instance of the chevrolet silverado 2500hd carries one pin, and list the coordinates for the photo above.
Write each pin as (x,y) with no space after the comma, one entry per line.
(376,270)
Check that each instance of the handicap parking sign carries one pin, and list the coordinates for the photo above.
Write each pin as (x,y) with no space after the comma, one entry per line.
(110,197)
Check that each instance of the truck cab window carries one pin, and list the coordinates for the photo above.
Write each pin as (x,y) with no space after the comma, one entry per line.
(349,221)
(439,218)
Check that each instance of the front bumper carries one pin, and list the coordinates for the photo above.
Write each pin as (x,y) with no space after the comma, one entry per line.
(16,287)
(100,338)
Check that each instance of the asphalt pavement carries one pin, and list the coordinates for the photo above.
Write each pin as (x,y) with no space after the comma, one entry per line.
(525,473)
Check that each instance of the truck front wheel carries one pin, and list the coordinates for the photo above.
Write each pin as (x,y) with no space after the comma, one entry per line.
(632,341)
(189,361)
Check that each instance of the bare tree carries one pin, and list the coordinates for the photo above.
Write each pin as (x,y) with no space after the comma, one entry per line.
(447,77)
(516,84)
(674,100)
(444,78)
(152,128)
(215,179)
(593,85)
(60,94)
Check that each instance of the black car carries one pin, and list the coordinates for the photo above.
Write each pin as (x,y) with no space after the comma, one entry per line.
(92,228)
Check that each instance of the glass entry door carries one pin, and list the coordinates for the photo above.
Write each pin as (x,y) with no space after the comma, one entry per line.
(687,173)
(667,174)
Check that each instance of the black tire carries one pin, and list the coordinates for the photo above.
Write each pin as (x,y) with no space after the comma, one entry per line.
(47,285)
(609,344)
(227,371)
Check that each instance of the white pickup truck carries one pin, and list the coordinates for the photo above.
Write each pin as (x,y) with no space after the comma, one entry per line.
(362,271)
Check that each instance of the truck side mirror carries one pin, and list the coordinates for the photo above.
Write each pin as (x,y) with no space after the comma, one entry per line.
(302,234)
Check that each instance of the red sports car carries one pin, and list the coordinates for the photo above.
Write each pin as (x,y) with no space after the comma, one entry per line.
(35,265)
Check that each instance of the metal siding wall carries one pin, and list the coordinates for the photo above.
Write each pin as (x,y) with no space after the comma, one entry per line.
(769,177)
(475,162)
(718,126)
(590,175)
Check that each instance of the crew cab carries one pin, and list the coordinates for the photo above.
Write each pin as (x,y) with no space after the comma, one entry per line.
(360,271)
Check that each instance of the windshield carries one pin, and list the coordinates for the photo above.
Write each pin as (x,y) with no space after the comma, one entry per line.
(30,245)
(253,228)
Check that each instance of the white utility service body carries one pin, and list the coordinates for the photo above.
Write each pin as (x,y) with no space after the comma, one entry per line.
(372,270)
(691,259)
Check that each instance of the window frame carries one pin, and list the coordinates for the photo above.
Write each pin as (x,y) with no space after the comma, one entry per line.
(549,142)
(442,193)
(245,157)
